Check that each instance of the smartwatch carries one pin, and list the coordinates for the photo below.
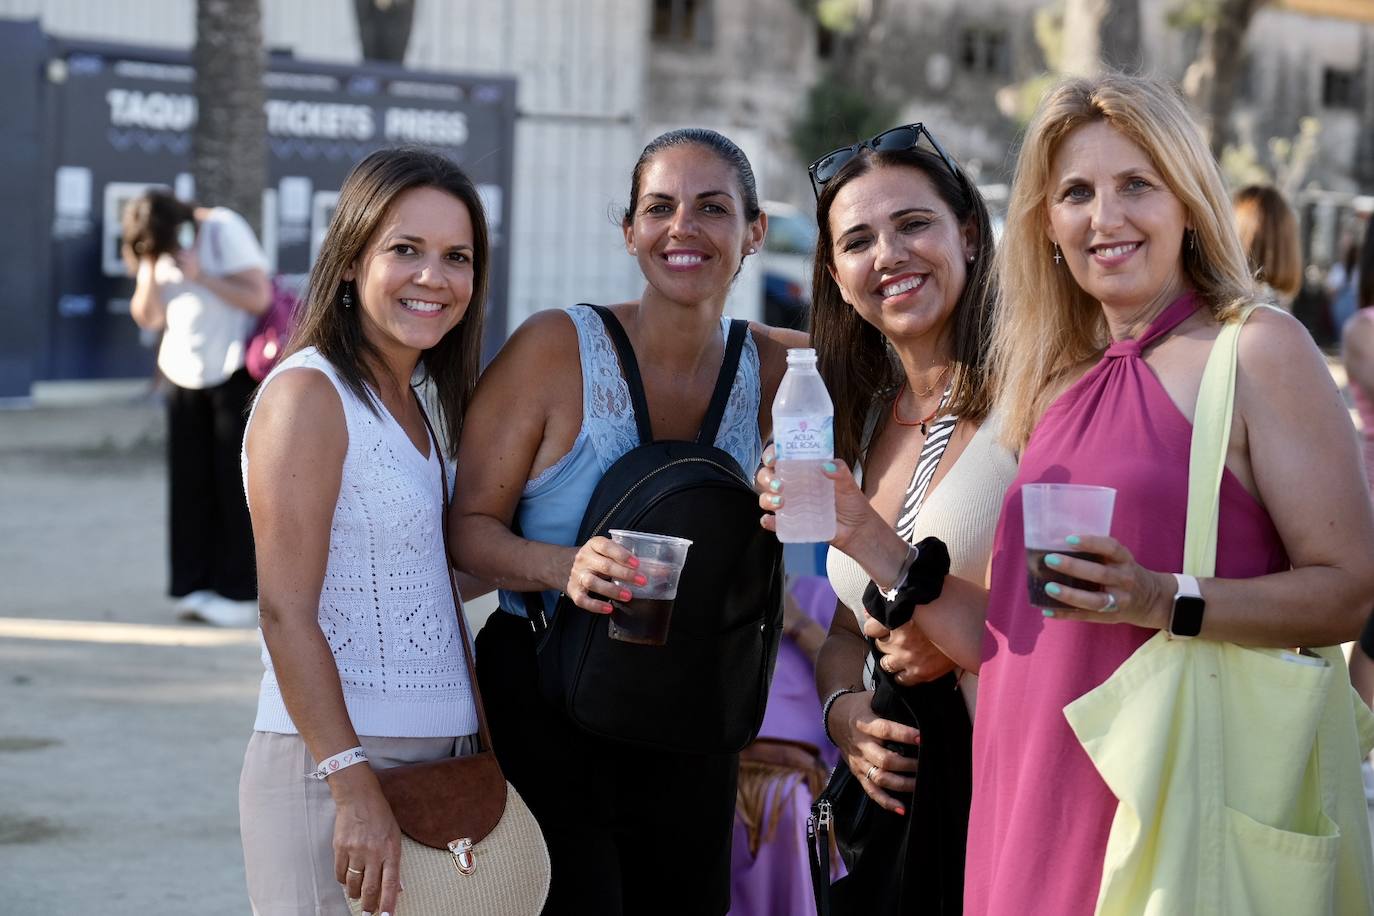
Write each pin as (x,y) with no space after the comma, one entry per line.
(1186,620)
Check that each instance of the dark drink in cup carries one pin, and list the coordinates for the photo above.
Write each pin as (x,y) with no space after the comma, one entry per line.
(644,618)
(1038,575)
(641,620)
(1051,514)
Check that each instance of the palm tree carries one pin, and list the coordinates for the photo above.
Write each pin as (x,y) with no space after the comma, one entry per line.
(229,143)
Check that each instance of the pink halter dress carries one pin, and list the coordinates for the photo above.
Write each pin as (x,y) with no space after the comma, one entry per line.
(1040,813)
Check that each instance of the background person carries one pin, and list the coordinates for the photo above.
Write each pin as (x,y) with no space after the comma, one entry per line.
(1357,351)
(785,768)
(629,830)
(900,316)
(200,277)
(1268,231)
(360,632)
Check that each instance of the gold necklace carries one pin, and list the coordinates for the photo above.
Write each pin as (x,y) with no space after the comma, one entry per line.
(931,390)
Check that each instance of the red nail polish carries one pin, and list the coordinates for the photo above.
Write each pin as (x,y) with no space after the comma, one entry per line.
(608,609)
(640,580)
(901,812)
(625,596)
(634,562)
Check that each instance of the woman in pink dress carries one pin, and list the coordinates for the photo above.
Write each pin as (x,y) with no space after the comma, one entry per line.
(1119,265)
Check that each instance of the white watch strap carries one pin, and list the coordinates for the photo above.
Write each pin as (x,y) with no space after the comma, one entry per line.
(340,761)
(1187,586)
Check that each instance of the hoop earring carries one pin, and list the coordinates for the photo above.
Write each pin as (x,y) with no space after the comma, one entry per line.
(346,297)
(1058,257)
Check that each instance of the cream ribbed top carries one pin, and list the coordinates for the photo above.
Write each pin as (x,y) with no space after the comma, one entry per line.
(386,608)
(962,510)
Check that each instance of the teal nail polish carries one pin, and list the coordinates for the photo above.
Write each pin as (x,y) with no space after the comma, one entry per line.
(775,485)
(775,500)
(1053,559)
(829,467)
(1047,612)
(1053,589)
(1074,539)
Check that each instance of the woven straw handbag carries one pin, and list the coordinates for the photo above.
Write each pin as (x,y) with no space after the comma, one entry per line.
(470,846)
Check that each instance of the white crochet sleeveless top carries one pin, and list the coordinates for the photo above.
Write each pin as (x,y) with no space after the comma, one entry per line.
(386,609)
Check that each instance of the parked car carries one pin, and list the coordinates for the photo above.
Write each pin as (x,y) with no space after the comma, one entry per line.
(786,264)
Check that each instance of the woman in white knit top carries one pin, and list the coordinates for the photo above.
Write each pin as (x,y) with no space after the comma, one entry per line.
(900,312)
(360,632)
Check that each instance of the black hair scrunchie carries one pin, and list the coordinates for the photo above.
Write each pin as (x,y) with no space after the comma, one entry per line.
(925,580)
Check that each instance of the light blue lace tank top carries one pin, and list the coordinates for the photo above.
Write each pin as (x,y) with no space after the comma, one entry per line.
(553,503)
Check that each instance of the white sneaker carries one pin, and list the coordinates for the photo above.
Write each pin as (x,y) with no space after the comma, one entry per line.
(224,612)
(188,606)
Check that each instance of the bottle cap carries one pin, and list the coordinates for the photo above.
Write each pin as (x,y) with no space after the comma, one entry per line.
(801,355)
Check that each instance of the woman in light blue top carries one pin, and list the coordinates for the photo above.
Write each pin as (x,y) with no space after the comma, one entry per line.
(647,832)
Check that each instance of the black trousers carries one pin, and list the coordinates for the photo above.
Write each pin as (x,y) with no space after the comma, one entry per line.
(211,535)
(631,832)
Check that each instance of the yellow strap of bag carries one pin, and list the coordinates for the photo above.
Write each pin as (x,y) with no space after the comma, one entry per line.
(1236,769)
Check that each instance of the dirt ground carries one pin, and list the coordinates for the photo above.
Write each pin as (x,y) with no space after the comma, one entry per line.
(121,732)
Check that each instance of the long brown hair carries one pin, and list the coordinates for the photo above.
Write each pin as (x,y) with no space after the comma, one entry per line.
(852,355)
(452,365)
(1268,231)
(1046,323)
(150,222)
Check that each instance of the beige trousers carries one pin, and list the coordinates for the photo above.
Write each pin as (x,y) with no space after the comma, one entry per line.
(286,821)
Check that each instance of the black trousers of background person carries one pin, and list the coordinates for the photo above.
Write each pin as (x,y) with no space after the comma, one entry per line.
(211,536)
(631,832)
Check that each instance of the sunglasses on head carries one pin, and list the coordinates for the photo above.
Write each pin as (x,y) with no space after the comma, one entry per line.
(906,137)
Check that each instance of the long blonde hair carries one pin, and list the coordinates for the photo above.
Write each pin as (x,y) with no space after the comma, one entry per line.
(1046,323)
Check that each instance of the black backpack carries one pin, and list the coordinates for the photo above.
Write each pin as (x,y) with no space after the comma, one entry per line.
(705,690)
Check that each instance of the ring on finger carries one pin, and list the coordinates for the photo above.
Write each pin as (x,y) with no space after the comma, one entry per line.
(353,871)
(1111,604)
(871,770)
(886,663)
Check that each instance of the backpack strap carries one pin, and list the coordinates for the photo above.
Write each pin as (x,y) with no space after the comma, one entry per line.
(729,365)
(629,366)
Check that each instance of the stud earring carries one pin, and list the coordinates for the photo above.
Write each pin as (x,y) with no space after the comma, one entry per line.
(347,297)
(1057,256)
(634,250)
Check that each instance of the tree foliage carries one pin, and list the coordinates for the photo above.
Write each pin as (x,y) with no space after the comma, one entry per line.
(837,114)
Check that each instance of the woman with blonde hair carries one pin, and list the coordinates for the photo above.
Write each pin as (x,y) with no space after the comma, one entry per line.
(1120,265)
(1268,232)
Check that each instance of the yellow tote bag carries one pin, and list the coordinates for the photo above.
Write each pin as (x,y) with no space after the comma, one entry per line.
(1236,770)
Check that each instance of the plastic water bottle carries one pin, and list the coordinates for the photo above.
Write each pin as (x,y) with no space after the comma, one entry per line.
(804,439)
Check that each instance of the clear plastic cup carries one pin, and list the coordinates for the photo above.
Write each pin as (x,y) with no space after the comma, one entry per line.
(644,618)
(1051,512)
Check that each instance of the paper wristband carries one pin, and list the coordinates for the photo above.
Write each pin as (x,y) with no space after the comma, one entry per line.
(340,761)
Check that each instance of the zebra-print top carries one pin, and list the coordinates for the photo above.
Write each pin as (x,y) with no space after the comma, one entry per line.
(937,440)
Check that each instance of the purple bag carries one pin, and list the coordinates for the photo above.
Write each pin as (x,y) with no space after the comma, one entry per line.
(269,335)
